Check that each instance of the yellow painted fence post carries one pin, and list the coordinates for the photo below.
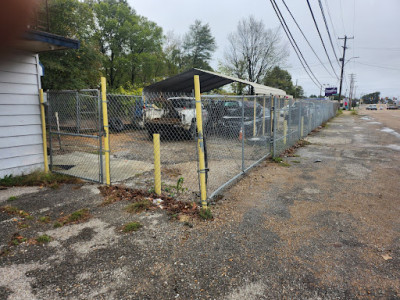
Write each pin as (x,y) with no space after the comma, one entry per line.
(157,163)
(42,115)
(302,127)
(200,142)
(106,129)
(284,131)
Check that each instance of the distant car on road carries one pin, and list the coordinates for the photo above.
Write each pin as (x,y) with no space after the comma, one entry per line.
(372,107)
(392,106)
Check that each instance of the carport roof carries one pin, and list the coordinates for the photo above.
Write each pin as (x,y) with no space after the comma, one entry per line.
(183,83)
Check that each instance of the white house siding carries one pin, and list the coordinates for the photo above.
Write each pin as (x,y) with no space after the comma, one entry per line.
(21,149)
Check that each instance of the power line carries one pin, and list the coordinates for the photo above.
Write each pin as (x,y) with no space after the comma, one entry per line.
(298,26)
(376,66)
(293,43)
(330,19)
(319,33)
(327,29)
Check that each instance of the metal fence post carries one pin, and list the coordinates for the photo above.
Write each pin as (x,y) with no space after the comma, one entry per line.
(42,115)
(271,117)
(200,142)
(290,121)
(157,163)
(78,112)
(243,135)
(254,116)
(300,130)
(274,130)
(263,123)
(99,108)
(106,129)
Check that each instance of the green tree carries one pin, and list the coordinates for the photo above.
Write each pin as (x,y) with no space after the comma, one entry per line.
(371,98)
(72,69)
(198,46)
(281,79)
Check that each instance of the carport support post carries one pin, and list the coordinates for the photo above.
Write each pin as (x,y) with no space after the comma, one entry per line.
(157,163)
(200,143)
(106,129)
(42,115)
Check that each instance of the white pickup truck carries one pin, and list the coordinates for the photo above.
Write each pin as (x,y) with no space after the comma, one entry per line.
(173,117)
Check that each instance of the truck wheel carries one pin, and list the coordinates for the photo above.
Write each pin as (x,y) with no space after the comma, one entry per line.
(116,124)
(192,133)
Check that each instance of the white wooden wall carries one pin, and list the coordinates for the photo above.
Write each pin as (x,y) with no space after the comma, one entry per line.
(20,125)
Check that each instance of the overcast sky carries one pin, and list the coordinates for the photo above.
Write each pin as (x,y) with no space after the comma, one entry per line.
(375,25)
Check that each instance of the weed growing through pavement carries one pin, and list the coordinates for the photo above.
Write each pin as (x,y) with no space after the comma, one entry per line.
(138,206)
(132,226)
(43,239)
(205,214)
(12,210)
(339,112)
(295,161)
(76,217)
(44,219)
(12,198)
(57,225)
(354,113)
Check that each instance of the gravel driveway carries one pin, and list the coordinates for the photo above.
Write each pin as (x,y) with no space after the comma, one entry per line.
(325,227)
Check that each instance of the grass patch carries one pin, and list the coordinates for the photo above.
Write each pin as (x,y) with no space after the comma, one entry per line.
(43,239)
(205,214)
(23,225)
(354,112)
(15,211)
(280,161)
(12,198)
(339,112)
(295,161)
(132,226)
(277,159)
(76,217)
(57,225)
(303,143)
(38,178)
(44,219)
(138,206)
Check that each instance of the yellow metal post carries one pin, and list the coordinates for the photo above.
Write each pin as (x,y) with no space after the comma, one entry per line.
(200,142)
(278,112)
(157,163)
(284,131)
(302,127)
(255,114)
(263,124)
(42,115)
(106,129)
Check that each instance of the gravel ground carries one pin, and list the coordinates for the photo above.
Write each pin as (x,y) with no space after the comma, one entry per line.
(325,227)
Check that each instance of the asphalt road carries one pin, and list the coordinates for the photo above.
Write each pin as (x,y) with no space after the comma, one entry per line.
(323,225)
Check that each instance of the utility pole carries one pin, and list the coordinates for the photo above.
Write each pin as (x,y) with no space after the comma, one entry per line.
(342,60)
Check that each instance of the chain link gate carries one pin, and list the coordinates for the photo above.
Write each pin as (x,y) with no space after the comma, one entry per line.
(75,133)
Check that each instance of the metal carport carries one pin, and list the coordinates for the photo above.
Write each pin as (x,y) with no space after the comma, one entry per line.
(183,83)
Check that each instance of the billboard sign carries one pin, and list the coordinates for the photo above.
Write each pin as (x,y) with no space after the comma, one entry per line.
(331,91)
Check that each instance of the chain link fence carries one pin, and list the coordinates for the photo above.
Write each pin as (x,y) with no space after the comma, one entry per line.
(239,132)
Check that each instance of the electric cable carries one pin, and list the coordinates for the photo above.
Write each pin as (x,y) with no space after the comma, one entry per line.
(309,44)
(327,29)
(293,43)
(320,36)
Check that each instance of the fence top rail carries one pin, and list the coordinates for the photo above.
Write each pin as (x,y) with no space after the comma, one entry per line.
(72,91)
